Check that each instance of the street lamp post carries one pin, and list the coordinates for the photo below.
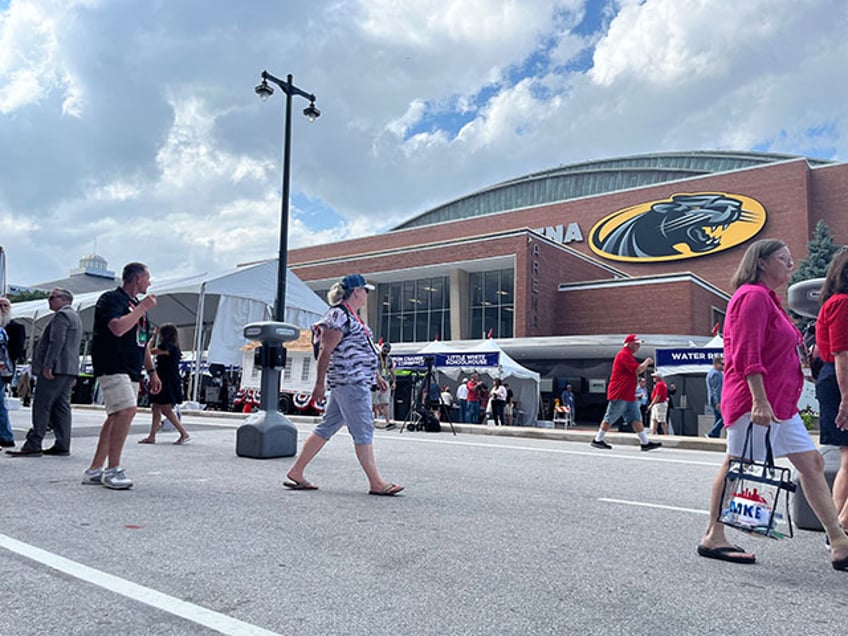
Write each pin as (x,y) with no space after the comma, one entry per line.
(268,433)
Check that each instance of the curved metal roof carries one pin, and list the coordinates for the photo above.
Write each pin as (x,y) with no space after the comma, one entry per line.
(591,178)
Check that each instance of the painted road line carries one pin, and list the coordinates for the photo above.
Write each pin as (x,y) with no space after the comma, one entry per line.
(188,611)
(654,456)
(653,505)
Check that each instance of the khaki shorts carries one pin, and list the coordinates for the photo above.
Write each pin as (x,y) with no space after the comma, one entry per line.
(659,412)
(119,393)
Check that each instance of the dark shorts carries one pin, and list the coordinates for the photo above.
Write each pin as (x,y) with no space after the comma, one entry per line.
(828,395)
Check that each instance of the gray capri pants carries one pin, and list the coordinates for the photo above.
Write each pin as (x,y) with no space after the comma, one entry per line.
(349,405)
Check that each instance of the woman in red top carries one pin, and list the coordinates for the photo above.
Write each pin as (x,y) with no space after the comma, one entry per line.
(832,383)
(762,384)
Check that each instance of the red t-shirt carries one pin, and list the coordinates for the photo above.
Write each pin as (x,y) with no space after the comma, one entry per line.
(832,327)
(622,383)
(660,393)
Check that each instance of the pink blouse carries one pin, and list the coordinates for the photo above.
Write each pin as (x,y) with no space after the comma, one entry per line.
(759,337)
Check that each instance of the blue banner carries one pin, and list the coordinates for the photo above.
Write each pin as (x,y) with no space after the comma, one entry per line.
(689,357)
(442,360)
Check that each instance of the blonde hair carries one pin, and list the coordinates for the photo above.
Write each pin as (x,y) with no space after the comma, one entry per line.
(748,270)
(338,293)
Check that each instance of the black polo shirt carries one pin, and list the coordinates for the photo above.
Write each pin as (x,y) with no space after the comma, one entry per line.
(111,354)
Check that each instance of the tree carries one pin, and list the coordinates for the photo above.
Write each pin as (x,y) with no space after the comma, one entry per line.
(820,251)
(28,295)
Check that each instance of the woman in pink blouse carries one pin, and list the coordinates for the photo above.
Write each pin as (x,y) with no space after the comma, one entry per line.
(832,382)
(762,385)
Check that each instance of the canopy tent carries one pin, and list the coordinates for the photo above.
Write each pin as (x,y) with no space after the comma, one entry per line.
(486,358)
(215,306)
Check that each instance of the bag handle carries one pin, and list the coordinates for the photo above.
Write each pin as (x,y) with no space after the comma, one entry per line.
(748,447)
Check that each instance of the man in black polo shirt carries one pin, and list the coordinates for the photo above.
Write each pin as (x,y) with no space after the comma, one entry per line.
(118,350)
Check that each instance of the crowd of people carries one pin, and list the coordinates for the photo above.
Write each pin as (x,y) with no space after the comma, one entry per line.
(753,389)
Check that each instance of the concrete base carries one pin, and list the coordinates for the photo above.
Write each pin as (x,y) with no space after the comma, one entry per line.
(802,515)
(266,434)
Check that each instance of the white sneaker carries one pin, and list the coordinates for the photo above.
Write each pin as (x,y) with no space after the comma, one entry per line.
(92,477)
(116,479)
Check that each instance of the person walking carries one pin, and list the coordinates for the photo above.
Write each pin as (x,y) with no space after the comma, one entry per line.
(832,381)
(347,364)
(621,393)
(168,356)
(55,363)
(762,384)
(472,399)
(118,351)
(715,380)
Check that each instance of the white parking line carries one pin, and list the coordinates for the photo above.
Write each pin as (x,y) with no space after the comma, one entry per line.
(653,456)
(189,611)
(652,505)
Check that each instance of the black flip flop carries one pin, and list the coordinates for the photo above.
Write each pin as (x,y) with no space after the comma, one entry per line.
(389,491)
(731,553)
(299,485)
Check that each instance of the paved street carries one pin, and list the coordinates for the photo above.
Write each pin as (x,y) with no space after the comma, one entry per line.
(493,535)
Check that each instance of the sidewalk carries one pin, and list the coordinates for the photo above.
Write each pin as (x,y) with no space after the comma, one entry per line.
(574,434)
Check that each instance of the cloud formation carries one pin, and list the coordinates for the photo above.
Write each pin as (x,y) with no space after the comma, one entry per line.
(134,124)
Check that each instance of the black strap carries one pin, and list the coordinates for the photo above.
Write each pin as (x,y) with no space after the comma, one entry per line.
(748,447)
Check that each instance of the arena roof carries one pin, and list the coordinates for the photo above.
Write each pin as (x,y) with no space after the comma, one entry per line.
(591,178)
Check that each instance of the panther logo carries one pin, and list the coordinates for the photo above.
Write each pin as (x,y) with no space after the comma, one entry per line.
(684,226)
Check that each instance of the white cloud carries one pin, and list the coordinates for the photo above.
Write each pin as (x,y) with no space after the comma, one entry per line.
(136,125)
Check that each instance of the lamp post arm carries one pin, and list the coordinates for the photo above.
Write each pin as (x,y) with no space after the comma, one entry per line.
(287,86)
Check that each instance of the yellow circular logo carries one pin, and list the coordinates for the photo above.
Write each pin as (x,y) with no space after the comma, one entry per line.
(682,226)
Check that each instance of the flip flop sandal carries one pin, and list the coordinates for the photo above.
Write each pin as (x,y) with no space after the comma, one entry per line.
(299,485)
(389,491)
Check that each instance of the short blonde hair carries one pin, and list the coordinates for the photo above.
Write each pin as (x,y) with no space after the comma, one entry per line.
(748,270)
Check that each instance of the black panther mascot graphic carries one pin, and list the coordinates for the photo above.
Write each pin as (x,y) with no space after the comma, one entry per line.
(684,219)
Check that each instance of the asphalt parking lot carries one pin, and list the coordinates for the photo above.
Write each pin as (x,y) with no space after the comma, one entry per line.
(494,534)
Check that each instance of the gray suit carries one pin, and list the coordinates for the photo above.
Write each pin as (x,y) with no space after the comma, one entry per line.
(57,350)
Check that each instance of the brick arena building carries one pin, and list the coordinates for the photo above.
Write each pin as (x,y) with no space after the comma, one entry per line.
(581,254)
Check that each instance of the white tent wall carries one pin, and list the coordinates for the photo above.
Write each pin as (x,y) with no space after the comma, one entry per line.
(202,302)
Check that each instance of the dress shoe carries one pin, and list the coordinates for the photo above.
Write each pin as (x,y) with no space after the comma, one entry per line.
(25,452)
(56,451)
(7,443)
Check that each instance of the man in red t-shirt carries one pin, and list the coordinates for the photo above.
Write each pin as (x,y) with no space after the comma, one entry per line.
(621,393)
(659,406)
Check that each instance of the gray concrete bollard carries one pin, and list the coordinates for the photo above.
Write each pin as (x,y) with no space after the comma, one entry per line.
(802,515)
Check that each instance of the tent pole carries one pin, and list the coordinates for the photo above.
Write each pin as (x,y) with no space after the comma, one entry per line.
(198,340)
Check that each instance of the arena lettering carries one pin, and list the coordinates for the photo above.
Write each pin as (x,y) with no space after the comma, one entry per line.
(561,234)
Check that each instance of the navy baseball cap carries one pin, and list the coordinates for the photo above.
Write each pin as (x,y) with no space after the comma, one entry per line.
(352,281)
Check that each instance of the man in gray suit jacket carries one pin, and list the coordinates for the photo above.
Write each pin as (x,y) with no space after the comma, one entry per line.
(56,365)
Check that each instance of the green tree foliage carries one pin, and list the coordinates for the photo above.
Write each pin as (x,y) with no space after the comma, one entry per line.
(28,295)
(819,252)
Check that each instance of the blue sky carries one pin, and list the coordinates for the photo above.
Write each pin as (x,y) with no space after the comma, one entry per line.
(135,124)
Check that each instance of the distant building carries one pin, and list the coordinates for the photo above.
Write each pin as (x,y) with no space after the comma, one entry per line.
(91,275)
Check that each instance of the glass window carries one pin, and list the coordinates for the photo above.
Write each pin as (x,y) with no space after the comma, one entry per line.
(492,304)
(414,310)
(304,370)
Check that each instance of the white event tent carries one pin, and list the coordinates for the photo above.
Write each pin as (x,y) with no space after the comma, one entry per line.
(215,307)
(523,382)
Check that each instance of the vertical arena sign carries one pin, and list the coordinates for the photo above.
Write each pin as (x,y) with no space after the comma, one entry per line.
(686,225)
